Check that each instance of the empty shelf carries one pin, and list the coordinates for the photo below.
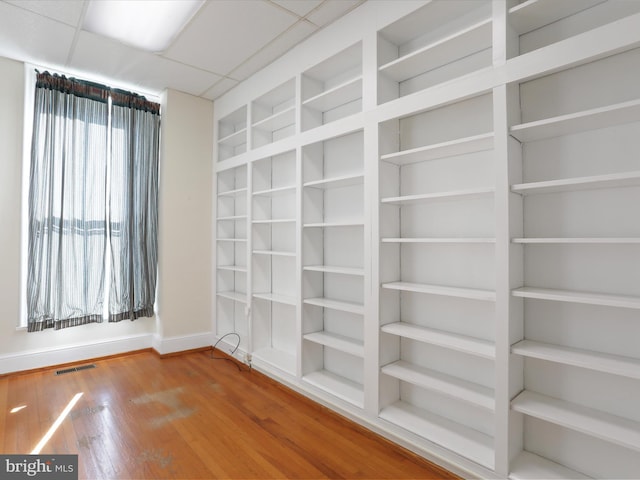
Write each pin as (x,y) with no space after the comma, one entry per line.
(349,307)
(435,240)
(334,97)
(626,179)
(336,182)
(233,193)
(578,240)
(610,428)
(466,441)
(476,143)
(453,341)
(274,253)
(448,385)
(471,293)
(337,342)
(335,269)
(272,192)
(622,301)
(233,268)
(528,466)
(276,297)
(277,358)
(533,14)
(602,362)
(236,296)
(336,385)
(592,119)
(426,197)
(278,120)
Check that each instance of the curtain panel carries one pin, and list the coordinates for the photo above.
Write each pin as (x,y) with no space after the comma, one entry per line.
(92,187)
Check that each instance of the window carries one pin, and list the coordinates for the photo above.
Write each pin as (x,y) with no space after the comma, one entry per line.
(92,204)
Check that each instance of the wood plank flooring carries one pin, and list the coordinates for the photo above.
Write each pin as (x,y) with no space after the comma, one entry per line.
(188,417)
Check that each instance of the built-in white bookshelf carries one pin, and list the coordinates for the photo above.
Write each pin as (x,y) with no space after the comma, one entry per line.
(231,253)
(578,185)
(273,115)
(232,134)
(274,298)
(332,89)
(437,251)
(438,42)
(426,220)
(333,265)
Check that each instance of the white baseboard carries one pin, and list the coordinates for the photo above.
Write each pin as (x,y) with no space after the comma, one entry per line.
(33,359)
(167,345)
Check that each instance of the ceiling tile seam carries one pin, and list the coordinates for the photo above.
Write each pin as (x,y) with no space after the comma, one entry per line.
(184,28)
(267,45)
(273,4)
(76,34)
(31,12)
(216,83)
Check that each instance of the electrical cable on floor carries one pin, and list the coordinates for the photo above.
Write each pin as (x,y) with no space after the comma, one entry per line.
(232,352)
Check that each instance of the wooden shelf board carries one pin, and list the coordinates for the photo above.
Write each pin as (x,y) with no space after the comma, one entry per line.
(533,14)
(529,466)
(346,92)
(275,253)
(460,146)
(336,385)
(335,269)
(463,440)
(625,112)
(435,240)
(272,192)
(337,342)
(234,139)
(233,193)
(471,293)
(336,182)
(601,362)
(277,121)
(426,197)
(473,39)
(349,307)
(448,385)
(453,341)
(622,301)
(613,180)
(235,296)
(579,240)
(610,428)
(284,361)
(276,298)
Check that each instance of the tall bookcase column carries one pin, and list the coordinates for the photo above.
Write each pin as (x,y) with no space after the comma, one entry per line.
(232,214)
(333,267)
(437,303)
(273,267)
(580,288)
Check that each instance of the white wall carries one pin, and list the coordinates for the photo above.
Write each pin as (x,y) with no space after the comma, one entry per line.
(186,182)
(184,198)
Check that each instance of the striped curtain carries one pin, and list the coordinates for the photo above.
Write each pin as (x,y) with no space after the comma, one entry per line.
(83,200)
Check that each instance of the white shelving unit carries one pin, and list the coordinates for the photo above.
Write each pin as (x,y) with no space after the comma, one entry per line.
(427,291)
(427,220)
(232,134)
(332,89)
(333,265)
(231,253)
(274,115)
(438,42)
(274,298)
(580,285)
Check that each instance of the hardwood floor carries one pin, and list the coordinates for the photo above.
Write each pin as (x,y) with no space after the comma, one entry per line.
(189,416)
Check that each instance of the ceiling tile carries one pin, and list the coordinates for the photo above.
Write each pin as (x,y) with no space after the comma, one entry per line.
(144,70)
(28,37)
(299,7)
(225,32)
(219,88)
(66,11)
(275,49)
(331,10)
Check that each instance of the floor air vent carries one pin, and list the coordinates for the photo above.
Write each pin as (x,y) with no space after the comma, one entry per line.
(75,369)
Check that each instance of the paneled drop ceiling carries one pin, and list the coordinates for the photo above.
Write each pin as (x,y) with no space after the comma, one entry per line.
(224,43)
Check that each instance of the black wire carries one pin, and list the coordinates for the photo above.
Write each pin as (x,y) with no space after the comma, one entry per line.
(232,352)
